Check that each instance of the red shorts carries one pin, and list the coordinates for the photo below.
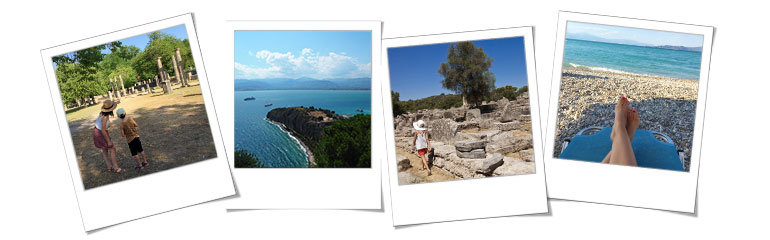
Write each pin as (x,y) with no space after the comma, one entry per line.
(422,151)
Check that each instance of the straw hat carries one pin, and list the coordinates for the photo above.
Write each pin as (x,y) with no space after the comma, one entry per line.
(109,105)
(419,125)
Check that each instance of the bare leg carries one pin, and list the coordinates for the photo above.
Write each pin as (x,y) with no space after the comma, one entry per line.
(425,164)
(623,108)
(138,163)
(622,153)
(143,157)
(107,159)
(631,126)
(114,162)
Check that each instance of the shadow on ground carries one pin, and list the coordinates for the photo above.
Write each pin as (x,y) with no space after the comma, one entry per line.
(172,136)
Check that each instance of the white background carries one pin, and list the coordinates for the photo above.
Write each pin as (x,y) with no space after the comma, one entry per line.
(38,200)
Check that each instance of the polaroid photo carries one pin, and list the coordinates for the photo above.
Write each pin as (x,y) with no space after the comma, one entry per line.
(462,122)
(307,110)
(137,122)
(626,111)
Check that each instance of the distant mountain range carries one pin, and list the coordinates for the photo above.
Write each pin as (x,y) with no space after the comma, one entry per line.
(303,84)
(593,38)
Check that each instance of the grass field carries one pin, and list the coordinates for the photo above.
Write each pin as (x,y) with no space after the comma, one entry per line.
(174,130)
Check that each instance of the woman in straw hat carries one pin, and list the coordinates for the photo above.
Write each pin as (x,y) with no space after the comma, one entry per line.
(102,138)
(421,142)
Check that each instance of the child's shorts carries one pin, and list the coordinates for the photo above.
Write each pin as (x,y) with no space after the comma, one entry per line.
(422,151)
(135,146)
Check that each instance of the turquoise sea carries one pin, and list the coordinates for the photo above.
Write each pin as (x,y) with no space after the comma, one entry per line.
(632,59)
(274,147)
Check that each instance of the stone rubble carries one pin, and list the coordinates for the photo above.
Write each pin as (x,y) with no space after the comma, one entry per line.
(492,140)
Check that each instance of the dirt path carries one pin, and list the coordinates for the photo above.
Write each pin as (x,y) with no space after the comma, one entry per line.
(416,169)
(174,130)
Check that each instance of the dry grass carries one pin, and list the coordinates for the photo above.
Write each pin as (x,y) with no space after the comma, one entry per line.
(174,130)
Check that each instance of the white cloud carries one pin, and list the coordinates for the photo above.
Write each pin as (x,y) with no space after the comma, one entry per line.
(307,64)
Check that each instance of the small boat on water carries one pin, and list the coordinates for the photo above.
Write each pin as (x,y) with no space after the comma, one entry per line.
(269,104)
(359,110)
(249,99)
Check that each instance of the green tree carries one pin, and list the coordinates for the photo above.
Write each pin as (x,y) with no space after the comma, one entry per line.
(77,82)
(397,109)
(466,72)
(78,74)
(164,46)
(345,144)
(245,159)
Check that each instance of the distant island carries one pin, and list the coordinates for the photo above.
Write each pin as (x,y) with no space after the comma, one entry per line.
(592,38)
(680,48)
(303,84)
(329,139)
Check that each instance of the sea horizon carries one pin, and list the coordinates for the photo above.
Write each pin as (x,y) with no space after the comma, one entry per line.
(632,59)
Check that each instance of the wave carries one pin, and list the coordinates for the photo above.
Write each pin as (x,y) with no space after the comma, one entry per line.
(300,144)
(601,69)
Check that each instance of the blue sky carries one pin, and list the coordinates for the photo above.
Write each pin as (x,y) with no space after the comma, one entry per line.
(414,69)
(297,54)
(141,41)
(645,36)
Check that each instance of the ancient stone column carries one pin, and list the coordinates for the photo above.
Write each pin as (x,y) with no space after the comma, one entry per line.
(112,87)
(123,87)
(160,70)
(177,74)
(181,68)
(157,83)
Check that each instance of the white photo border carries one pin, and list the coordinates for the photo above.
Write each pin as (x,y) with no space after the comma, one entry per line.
(629,186)
(203,181)
(502,195)
(317,188)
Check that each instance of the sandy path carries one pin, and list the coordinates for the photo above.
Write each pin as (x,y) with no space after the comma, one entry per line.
(416,169)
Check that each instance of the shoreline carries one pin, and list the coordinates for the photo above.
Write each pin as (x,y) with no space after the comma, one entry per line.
(573,67)
(587,99)
(308,154)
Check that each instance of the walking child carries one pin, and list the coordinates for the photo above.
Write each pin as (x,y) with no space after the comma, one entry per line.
(128,130)
(421,143)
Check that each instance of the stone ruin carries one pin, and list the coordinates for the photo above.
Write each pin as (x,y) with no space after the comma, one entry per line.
(492,140)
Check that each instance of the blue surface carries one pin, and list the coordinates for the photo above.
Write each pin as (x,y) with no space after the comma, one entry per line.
(649,152)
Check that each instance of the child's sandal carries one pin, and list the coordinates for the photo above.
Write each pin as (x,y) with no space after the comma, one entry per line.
(120,170)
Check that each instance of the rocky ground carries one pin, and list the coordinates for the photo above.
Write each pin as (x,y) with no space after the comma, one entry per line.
(587,98)
(492,140)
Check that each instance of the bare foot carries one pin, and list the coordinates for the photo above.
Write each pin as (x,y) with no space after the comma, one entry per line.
(621,114)
(633,123)
(627,109)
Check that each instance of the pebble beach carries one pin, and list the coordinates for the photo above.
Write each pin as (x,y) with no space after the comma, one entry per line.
(588,97)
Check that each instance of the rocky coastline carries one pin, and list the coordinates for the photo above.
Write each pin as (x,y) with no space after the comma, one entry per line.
(494,139)
(303,124)
(587,99)
(305,148)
